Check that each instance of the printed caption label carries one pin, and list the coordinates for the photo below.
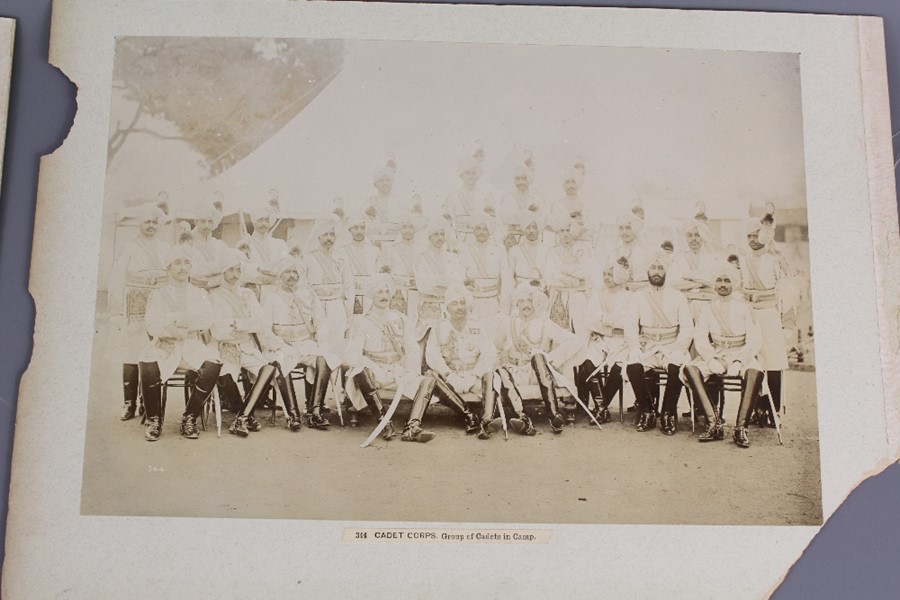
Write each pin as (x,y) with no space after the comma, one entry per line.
(447,536)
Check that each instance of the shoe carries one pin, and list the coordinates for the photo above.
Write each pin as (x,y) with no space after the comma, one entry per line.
(668,424)
(713,433)
(253,424)
(413,433)
(388,433)
(740,437)
(496,425)
(295,423)
(603,416)
(631,408)
(239,427)
(484,433)
(643,422)
(317,421)
(472,424)
(529,426)
(152,432)
(651,419)
(189,427)
(557,423)
(517,425)
(354,418)
(128,413)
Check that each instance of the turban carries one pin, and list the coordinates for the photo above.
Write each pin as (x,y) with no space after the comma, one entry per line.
(179,251)
(266,211)
(574,175)
(467,164)
(524,172)
(661,258)
(751,225)
(208,211)
(560,222)
(323,226)
(523,218)
(637,223)
(701,227)
(484,219)
(726,269)
(147,211)
(380,281)
(383,173)
(287,263)
(434,226)
(457,291)
(356,217)
(232,257)
(526,290)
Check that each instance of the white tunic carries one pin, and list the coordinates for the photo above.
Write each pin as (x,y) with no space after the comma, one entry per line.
(487,278)
(174,346)
(659,329)
(727,338)
(463,356)
(692,273)
(519,340)
(435,269)
(527,261)
(138,270)
(236,324)
(265,252)
(759,275)
(607,316)
(362,259)
(330,278)
(292,323)
(567,274)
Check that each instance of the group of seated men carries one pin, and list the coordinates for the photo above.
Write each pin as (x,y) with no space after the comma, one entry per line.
(469,309)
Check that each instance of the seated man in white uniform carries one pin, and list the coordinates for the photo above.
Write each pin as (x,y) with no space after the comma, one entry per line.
(460,355)
(237,323)
(294,318)
(179,316)
(607,315)
(528,258)
(529,345)
(658,332)
(362,257)
(383,354)
(727,340)
(436,267)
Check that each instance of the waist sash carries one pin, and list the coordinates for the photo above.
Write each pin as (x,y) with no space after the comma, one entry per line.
(659,334)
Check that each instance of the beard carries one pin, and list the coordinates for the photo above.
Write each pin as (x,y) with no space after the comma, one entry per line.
(657,280)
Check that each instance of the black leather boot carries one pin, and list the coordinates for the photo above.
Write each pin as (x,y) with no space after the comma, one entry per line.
(448,397)
(668,423)
(245,423)
(151,391)
(714,431)
(203,386)
(413,431)
(548,392)
(315,403)
(295,422)
(489,400)
(229,395)
(130,390)
(752,384)
(365,381)
(642,398)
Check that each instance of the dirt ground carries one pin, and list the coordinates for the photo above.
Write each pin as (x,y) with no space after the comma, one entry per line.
(581,476)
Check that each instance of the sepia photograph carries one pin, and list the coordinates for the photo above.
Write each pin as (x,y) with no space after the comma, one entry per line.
(367,280)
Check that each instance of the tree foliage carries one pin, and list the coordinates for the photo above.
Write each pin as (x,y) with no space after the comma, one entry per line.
(224,96)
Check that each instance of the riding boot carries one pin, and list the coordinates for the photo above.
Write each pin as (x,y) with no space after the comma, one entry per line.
(548,391)
(244,423)
(203,384)
(489,398)
(642,398)
(752,383)
(670,399)
(450,398)
(365,382)
(130,390)
(714,430)
(229,395)
(612,385)
(290,399)
(413,431)
(315,404)
(601,413)
(151,392)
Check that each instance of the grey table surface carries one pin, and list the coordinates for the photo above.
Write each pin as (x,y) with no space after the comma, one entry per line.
(854,556)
